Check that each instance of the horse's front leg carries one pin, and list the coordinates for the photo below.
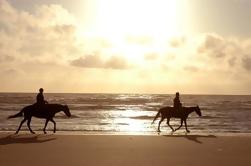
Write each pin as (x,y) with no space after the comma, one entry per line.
(20,125)
(54,125)
(28,124)
(186,125)
(181,123)
(47,120)
(167,122)
(160,123)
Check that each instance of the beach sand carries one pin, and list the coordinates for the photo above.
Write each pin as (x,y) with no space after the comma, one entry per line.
(116,150)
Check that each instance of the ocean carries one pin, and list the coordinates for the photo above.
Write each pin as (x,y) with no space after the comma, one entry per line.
(131,113)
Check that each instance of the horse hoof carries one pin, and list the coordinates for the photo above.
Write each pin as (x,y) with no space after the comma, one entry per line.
(33,132)
(16,133)
(45,132)
(188,131)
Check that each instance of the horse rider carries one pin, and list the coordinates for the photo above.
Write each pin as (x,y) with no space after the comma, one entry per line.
(40,100)
(176,102)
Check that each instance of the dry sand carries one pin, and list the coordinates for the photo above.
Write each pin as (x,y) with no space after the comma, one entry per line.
(80,150)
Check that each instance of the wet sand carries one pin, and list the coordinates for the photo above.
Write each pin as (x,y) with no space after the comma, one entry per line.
(116,150)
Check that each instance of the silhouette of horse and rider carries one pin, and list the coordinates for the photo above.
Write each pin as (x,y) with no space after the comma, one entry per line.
(177,111)
(41,109)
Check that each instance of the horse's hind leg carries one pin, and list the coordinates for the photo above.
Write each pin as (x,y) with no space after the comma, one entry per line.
(28,124)
(168,120)
(186,125)
(20,125)
(160,123)
(54,125)
(181,123)
(47,120)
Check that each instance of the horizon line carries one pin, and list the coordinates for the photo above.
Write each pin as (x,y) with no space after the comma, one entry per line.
(216,94)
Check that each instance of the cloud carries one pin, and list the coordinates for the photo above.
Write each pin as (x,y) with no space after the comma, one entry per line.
(213,45)
(177,41)
(96,61)
(232,61)
(191,68)
(49,31)
(247,63)
(151,56)
(6,58)
(88,61)
(44,46)
(10,72)
(116,62)
(35,45)
(216,53)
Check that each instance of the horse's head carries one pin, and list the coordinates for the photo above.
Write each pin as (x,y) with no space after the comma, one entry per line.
(197,110)
(67,111)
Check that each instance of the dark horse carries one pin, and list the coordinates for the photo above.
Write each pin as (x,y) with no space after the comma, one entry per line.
(170,112)
(48,112)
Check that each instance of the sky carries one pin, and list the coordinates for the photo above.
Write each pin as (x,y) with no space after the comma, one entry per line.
(126,46)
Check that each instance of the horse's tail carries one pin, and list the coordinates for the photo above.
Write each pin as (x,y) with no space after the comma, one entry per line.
(16,115)
(157,115)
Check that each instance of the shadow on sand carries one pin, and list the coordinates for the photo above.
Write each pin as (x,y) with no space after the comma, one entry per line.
(193,138)
(24,139)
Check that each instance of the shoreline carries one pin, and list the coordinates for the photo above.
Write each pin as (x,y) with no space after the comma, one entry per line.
(163,133)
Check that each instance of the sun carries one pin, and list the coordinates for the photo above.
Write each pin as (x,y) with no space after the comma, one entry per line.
(136,17)
(135,27)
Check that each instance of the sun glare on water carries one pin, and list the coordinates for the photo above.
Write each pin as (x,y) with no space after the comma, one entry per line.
(132,125)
